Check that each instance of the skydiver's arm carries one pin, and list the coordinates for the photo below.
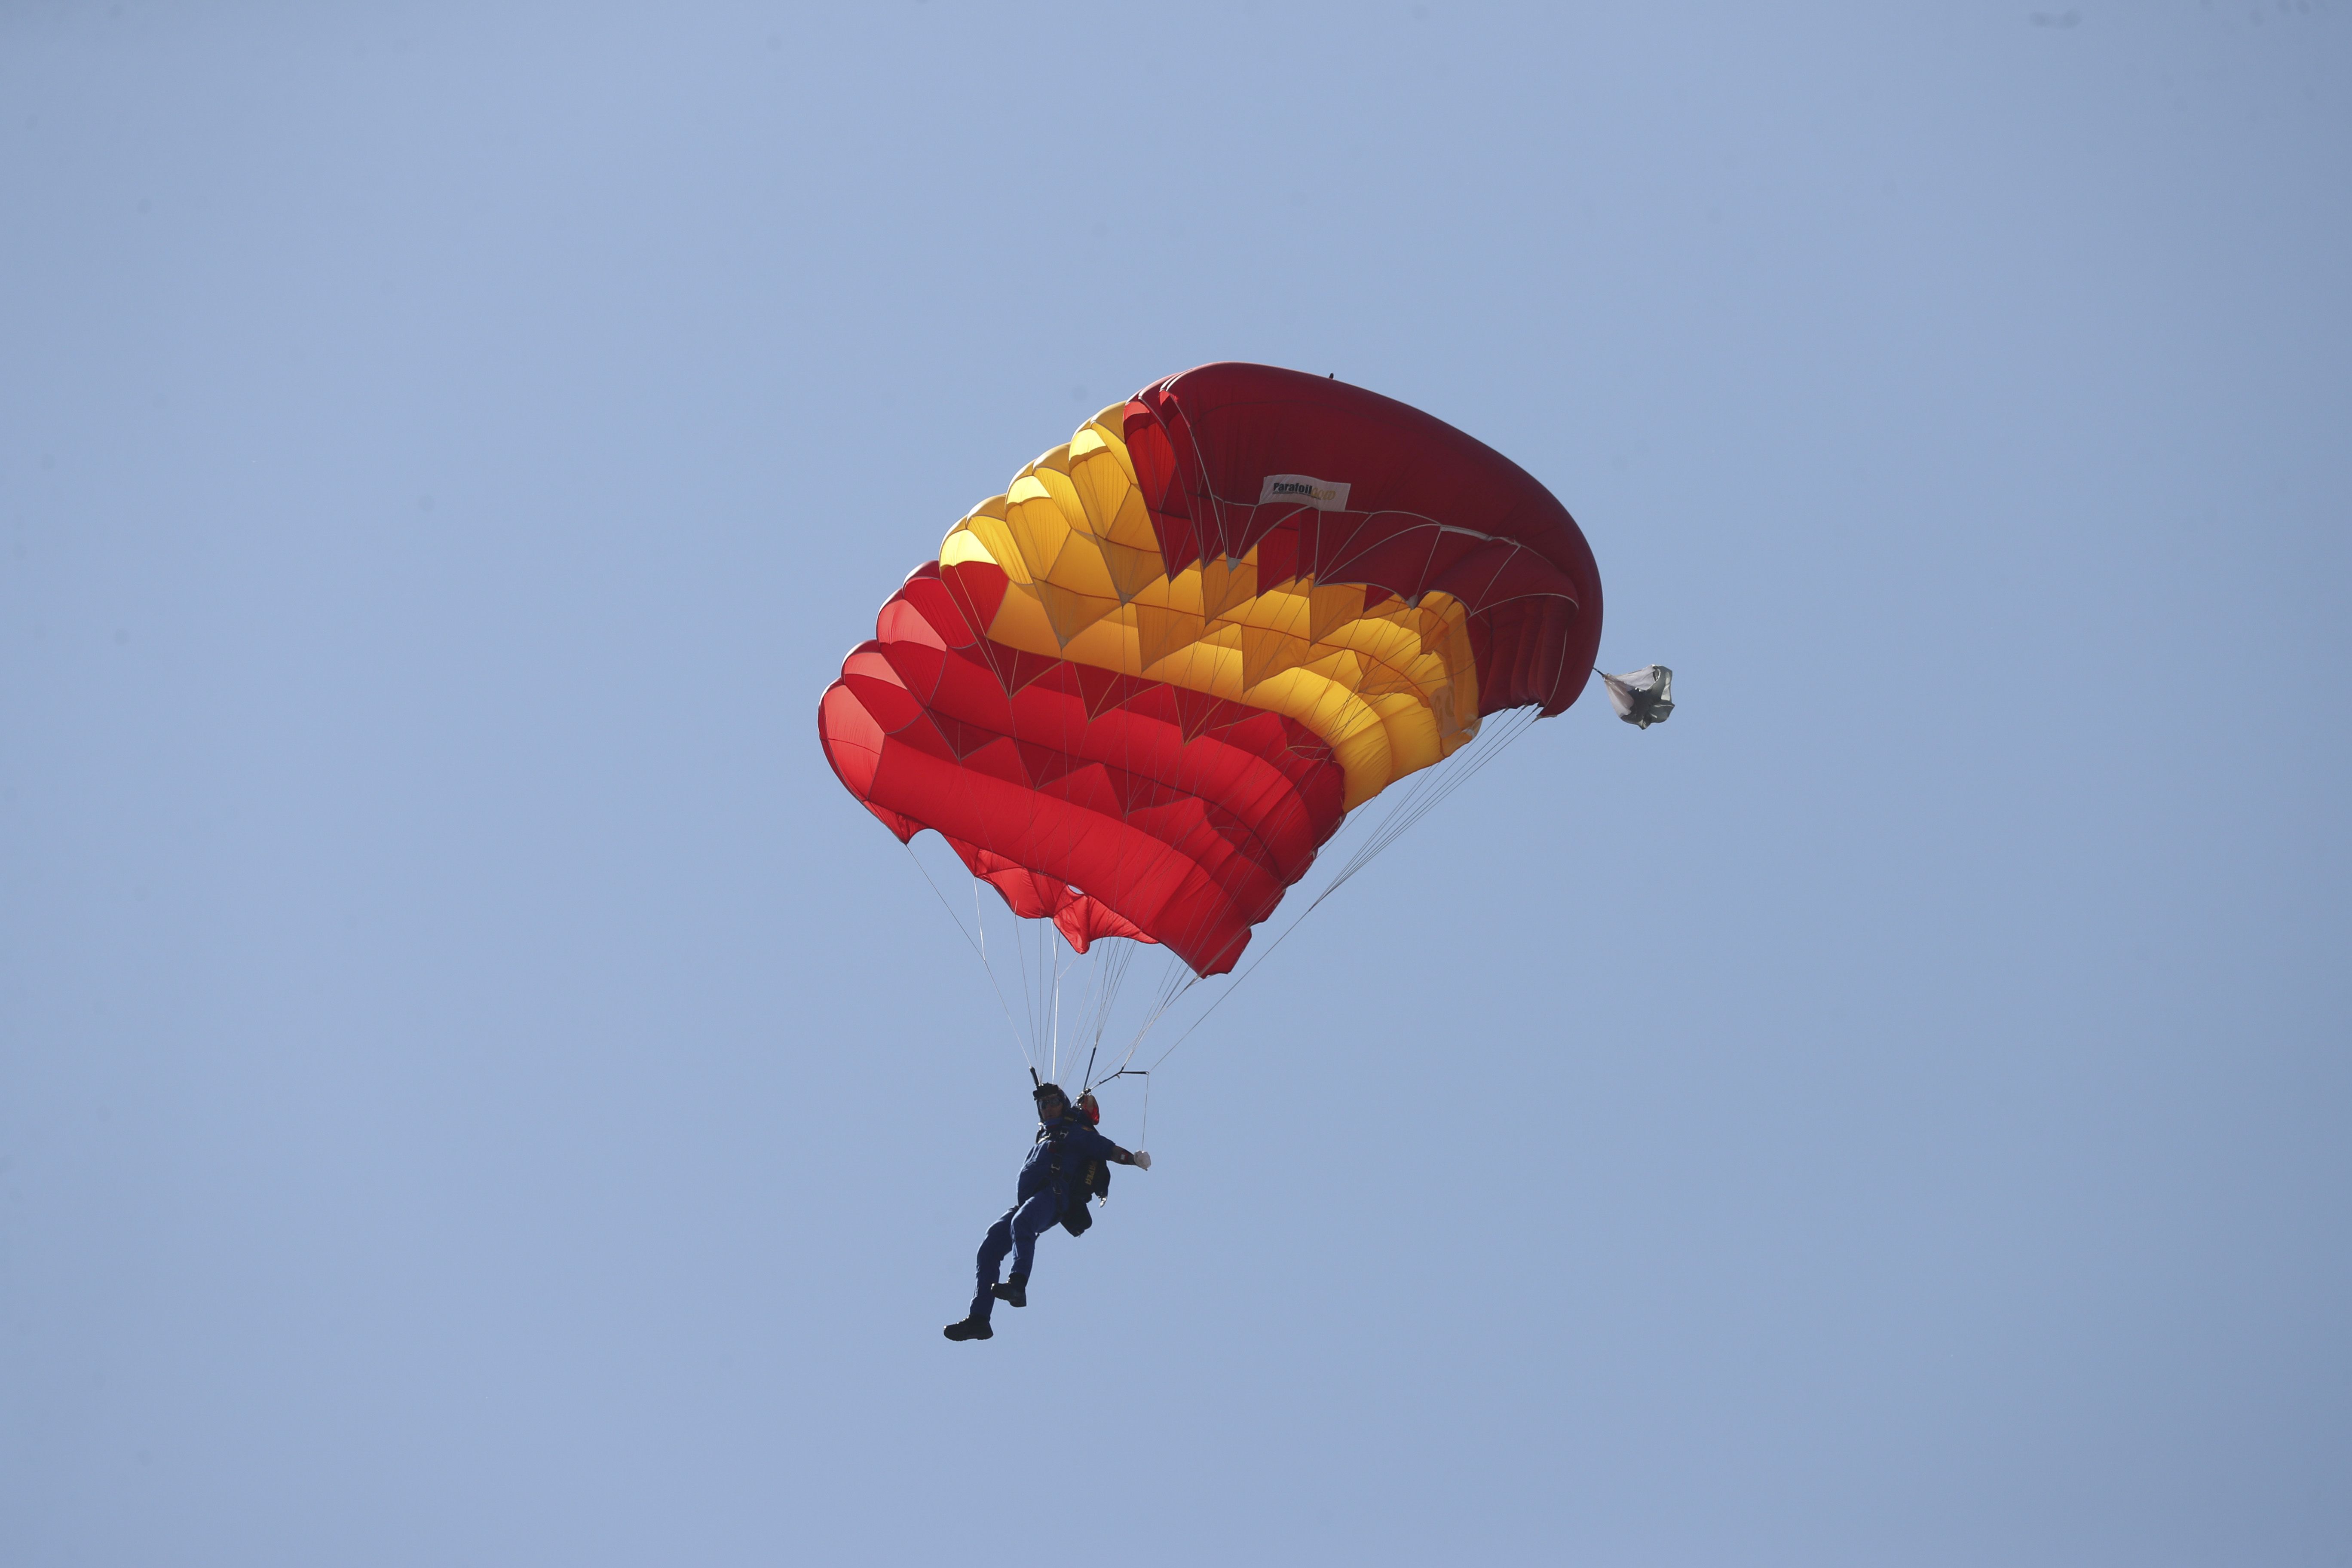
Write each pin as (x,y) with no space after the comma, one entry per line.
(1101,1148)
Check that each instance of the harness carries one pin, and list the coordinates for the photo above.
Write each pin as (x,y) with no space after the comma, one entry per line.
(1090,1180)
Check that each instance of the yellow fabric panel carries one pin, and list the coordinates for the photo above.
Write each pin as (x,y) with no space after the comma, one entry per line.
(1221,590)
(983,529)
(1391,690)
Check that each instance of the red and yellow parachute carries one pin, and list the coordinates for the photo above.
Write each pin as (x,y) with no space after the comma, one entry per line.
(1141,688)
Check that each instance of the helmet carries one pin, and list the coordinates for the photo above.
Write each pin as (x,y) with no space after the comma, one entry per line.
(1048,1090)
(1086,1104)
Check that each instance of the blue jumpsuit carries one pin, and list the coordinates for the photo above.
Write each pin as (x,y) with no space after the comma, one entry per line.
(1049,1180)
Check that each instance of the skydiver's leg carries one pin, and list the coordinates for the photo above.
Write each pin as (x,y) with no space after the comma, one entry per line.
(993,1248)
(1029,1221)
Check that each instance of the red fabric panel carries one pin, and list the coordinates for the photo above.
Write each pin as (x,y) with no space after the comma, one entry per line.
(1204,441)
(1080,919)
(1027,894)
(1115,805)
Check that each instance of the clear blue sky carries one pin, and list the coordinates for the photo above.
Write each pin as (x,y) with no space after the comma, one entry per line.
(474,1089)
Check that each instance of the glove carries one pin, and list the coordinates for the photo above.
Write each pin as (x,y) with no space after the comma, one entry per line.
(1142,1160)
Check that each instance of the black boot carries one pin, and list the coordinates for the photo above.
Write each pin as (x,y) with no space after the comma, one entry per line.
(1014,1292)
(969,1329)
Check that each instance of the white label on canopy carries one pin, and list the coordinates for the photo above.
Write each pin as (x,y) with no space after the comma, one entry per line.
(1302,489)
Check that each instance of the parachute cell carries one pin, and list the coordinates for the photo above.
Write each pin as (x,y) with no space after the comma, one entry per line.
(1141,688)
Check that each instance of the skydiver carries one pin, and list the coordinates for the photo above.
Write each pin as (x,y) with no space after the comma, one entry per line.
(1052,1186)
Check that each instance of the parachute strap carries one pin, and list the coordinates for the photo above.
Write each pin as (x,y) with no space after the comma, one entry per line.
(1018,1043)
(1426,793)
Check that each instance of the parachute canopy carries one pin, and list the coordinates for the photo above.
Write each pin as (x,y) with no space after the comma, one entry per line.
(1138,692)
(1643,698)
